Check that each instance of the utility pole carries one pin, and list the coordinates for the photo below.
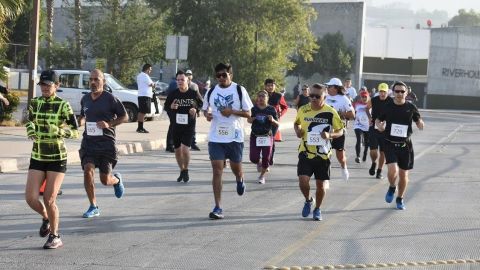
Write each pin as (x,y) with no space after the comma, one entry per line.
(33,50)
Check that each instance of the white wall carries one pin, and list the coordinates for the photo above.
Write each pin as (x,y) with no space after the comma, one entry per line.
(384,42)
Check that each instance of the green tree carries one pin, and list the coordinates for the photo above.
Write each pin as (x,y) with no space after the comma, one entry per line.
(127,34)
(334,58)
(9,9)
(257,38)
(465,18)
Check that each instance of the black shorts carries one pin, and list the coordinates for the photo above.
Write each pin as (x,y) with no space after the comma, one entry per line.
(104,163)
(52,166)
(144,104)
(376,139)
(316,166)
(339,143)
(182,136)
(400,153)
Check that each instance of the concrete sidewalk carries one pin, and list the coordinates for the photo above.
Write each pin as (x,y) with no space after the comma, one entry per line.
(15,148)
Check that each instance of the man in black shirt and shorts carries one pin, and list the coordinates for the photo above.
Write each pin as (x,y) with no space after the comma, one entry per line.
(182,105)
(100,112)
(396,122)
(376,138)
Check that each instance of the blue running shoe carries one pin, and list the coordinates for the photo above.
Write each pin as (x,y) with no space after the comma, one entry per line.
(92,211)
(390,194)
(240,187)
(217,213)
(317,214)
(307,208)
(400,204)
(119,187)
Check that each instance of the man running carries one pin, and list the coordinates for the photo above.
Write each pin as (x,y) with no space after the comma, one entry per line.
(396,122)
(316,125)
(229,103)
(376,138)
(101,112)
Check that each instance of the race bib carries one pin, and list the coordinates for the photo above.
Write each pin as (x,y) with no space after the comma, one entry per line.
(182,119)
(399,130)
(93,130)
(225,131)
(263,141)
(314,138)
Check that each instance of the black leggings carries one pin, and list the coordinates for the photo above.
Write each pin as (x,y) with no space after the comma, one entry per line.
(359,133)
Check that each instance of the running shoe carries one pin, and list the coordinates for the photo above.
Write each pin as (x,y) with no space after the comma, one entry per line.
(372,169)
(345,174)
(217,213)
(142,131)
(307,207)
(364,157)
(240,187)
(317,214)
(400,204)
(92,211)
(390,194)
(180,178)
(194,147)
(357,159)
(53,242)
(261,180)
(119,187)
(185,176)
(379,174)
(45,228)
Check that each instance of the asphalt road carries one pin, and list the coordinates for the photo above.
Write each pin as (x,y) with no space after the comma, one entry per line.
(162,224)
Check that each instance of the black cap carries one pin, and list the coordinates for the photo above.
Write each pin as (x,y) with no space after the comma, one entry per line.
(48,77)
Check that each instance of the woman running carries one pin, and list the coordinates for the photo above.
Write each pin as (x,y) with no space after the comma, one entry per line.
(361,124)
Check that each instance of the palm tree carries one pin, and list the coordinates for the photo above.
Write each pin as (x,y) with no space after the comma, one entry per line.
(49,36)
(9,9)
(78,34)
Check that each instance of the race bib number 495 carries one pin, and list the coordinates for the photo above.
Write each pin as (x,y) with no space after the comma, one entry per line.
(93,130)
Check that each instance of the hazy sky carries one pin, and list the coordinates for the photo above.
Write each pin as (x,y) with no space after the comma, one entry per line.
(451,6)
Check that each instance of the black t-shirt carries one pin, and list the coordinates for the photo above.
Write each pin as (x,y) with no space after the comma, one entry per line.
(105,108)
(399,118)
(185,101)
(378,106)
(302,100)
(260,124)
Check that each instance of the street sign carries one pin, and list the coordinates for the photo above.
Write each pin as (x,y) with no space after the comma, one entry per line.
(177,47)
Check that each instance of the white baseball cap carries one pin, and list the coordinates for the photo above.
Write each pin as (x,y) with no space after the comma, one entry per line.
(188,72)
(334,81)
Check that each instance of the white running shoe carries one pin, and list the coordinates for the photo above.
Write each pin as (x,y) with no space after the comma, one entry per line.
(345,174)
(261,180)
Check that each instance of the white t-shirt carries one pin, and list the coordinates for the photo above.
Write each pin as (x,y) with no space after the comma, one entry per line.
(340,103)
(226,129)
(352,93)
(143,82)
(361,117)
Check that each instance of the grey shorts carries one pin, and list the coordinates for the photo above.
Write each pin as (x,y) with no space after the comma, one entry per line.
(222,151)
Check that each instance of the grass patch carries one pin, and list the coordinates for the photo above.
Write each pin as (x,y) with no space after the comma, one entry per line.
(10,123)
(20,92)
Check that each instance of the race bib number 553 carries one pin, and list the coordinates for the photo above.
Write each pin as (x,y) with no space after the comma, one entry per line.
(316,139)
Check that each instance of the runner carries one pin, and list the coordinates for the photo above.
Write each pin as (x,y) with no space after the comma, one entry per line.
(264,125)
(50,120)
(101,112)
(396,121)
(316,124)
(225,105)
(337,99)
(182,105)
(361,124)
(376,138)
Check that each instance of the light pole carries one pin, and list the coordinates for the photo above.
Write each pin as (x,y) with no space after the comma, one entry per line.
(33,50)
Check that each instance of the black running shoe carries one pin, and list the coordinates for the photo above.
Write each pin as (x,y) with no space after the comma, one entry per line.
(186,177)
(372,169)
(180,178)
(379,174)
(45,228)
(53,242)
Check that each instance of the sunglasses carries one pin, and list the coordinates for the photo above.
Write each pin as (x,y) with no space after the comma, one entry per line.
(399,91)
(315,96)
(220,75)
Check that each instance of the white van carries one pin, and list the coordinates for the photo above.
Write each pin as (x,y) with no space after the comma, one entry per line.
(76,83)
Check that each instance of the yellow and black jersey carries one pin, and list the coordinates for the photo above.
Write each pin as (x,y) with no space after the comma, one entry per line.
(314,122)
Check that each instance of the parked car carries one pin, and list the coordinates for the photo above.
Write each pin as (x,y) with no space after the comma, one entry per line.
(76,83)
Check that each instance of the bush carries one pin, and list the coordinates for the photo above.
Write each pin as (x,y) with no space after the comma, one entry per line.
(14,100)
